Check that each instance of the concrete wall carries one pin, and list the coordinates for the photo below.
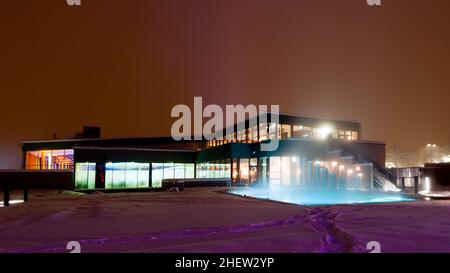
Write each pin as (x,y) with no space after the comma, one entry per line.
(38,179)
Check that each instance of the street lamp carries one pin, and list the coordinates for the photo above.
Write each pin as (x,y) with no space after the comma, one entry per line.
(431,148)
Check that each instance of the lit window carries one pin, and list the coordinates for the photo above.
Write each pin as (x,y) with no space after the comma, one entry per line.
(85,175)
(49,160)
(127,175)
(285,131)
(262,131)
(297,131)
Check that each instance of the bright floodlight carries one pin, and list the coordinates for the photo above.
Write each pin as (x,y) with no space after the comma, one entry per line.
(325,131)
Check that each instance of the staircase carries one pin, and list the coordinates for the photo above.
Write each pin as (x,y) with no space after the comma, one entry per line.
(381,182)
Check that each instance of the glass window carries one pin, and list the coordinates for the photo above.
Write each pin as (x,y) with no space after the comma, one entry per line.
(126,175)
(169,170)
(253,134)
(297,131)
(143,175)
(285,131)
(355,136)
(235,170)
(157,174)
(85,175)
(179,170)
(262,131)
(335,134)
(241,136)
(131,175)
(316,133)
(253,169)
(49,160)
(348,135)
(273,130)
(307,132)
(189,170)
(244,169)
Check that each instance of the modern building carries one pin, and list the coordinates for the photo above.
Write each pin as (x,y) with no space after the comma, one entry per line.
(308,148)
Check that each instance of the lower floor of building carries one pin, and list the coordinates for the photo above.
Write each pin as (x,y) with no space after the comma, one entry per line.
(269,171)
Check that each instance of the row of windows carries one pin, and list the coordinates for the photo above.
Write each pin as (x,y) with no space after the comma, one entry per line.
(215,169)
(284,131)
(49,160)
(130,174)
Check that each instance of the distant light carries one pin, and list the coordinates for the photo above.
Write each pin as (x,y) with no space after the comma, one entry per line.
(341,167)
(317,163)
(390,165)
(429,145)
(294,159)
(360,175)
(350,171)
(357,168)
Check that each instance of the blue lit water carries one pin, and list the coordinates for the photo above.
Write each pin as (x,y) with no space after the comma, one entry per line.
(320,196)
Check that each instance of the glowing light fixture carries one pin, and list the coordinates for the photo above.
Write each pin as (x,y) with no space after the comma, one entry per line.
(325,131)
(427,184)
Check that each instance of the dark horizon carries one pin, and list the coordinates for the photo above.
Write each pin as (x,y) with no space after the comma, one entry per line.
(123,65)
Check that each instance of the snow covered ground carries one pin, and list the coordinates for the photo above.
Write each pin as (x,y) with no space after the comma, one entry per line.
(205,220)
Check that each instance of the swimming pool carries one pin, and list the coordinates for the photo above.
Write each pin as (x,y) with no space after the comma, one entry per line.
(320,196)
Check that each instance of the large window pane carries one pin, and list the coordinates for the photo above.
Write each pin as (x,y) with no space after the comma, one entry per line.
(49,160)
(262,131)
(126,175)
(143,175)
(297,131)
(285,131)
(157,174)
(244,169)
(189,170)
(179,170)
(131,175)
(85,175)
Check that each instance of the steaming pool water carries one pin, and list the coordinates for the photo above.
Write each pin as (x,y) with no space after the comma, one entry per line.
(313,197)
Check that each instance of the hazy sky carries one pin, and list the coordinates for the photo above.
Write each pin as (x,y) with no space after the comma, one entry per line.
(123,64)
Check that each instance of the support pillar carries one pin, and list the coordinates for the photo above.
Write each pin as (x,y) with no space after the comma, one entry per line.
(6,194)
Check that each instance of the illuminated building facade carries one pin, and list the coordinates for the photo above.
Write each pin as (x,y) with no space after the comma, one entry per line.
(307,146)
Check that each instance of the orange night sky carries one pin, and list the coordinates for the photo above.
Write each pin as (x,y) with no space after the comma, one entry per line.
(123,65)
